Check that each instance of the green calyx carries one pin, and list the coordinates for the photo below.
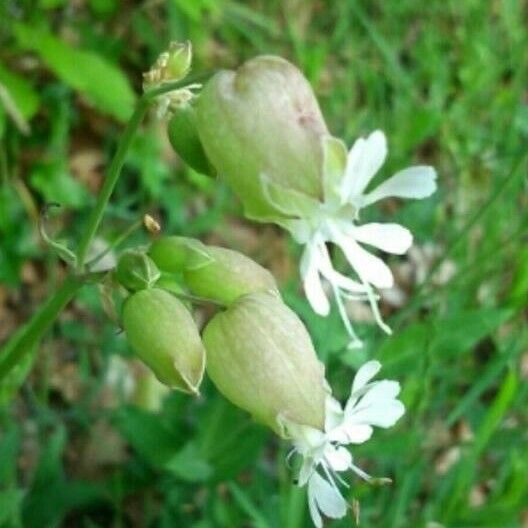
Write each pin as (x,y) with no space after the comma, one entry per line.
(163,334)
(136,271)
(183,136)
(211,272)
(263,121)
(261,358)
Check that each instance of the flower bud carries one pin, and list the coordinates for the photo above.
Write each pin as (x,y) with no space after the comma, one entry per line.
(263,121)
(261,358)
(184,139)
(136,271)
(163,334)
(171,253)
(212,272)
(171,65)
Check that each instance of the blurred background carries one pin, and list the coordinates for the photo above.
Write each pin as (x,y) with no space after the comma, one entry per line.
(87,439)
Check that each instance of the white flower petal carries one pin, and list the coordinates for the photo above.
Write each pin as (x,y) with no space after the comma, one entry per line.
(353,166)
(364,160)
(325,497)
(392,238)
(414,182)
(313,287)
(382,390)
(382,414)
(338,279)
(366,372)
(338,458)
(351,433)
(314,509)
(306,471)
(333,413)
(370,268)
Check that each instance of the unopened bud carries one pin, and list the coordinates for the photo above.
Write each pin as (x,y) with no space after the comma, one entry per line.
(261,358)
(163,334)
(263,121)
(171,65)
(211,272)
(183,136)
(136,271)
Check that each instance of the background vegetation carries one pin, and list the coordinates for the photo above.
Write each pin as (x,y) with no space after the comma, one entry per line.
(447,81)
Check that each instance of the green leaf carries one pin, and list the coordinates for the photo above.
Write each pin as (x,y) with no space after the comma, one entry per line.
(243,500)
(102,83)
(15,378)
(10,501)
(188,464)
(21,92)
(460,332)
(9,449)
(219,440)
(57,185)
(148,435)
(51,495)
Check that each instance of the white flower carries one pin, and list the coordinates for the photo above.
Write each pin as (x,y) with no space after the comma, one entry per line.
(345,180)
(323,455)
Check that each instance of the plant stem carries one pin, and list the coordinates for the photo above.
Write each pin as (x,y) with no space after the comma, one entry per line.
(29,334)
(26,337)
(121,238)
(110,182)
(118,160)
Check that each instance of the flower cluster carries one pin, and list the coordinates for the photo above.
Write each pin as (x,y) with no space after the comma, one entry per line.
(261,129)
(336,221)
(323,453)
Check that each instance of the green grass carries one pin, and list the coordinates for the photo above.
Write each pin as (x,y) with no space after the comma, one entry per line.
(447,81)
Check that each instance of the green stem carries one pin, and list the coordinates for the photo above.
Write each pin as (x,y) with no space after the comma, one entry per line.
(117,242)
(116,165)
(110,182)
(29,334)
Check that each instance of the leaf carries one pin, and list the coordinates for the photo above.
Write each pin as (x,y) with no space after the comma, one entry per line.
(188,464)
(51,495)
(21,92)
(9,448)
(57,186)
(229,440)
(148,435)
(243,500)
(15,378)
(102,83)
(461,332)
(10,501)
